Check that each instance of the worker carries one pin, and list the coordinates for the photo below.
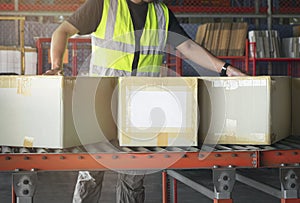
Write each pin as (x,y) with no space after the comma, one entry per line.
(128,39)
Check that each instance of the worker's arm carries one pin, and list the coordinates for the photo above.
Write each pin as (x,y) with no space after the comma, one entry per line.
(58,46)
(204,58)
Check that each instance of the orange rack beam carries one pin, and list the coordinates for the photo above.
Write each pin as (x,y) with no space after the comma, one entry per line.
(126,161)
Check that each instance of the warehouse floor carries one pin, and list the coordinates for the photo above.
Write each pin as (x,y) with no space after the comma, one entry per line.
(58,187)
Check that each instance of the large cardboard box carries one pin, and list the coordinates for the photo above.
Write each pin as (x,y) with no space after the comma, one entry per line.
(56,111)
(244,110)
(157,111)
(296,106)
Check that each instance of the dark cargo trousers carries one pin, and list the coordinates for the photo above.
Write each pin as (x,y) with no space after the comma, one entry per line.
(129,188)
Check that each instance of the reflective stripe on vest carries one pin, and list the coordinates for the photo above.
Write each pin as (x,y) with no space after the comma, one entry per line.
(101,71)
(113,43)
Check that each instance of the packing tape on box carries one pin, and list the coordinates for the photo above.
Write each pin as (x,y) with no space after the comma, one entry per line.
(254,138)
(162,139)
(28,141)
(156,81)
(24,86)
(8,82)
(125,139)
(231,134)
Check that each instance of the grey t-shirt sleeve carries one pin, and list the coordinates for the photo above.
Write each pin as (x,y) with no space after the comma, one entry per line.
(87,18)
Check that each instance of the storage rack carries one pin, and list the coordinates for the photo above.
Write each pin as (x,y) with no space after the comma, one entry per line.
(74,50)
(246,60)
(289,61)
(173,59)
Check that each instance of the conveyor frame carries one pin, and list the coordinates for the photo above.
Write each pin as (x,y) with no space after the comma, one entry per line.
(284,155)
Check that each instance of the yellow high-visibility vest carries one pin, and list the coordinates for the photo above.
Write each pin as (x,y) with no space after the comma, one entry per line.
(113,42)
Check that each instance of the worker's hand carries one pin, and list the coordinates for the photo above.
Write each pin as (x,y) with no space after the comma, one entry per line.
(232,71)
(55,71)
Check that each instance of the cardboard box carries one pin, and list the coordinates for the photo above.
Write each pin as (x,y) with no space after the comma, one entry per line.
(56,111)
(157,111)
(244,110)
(296,106)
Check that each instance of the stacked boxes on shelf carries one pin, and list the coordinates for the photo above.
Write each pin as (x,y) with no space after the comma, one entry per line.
(267,43)
(10,62)
(223,39)
(291,47)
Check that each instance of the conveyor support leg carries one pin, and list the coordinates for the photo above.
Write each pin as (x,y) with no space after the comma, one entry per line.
(223,180)
(289,181)
(223,201)
(24,184)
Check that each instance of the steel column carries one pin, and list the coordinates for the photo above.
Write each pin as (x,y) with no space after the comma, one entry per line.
(247,56)
(178,63)
(13,194)
(74,59)
(173,190)
(164,187)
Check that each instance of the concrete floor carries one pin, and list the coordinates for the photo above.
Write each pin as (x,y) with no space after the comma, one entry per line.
(57,187)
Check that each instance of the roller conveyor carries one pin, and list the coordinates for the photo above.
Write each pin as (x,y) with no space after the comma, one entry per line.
(284,152)
(225,161)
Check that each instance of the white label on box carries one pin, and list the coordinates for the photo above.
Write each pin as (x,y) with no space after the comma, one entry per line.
(165,109)
(263,83)
(218,83)
(232,85)
(245,83)
(227,84)
(259,83)
(252,83)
